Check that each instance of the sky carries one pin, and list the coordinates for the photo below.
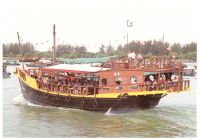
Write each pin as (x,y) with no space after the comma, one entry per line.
(95,22)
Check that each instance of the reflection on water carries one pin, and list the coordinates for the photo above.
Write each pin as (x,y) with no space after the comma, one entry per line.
(175,116)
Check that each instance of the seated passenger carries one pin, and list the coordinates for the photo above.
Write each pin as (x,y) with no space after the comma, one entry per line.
(49,81)
(154,85)
(175,81)
(59,85)
(169,82)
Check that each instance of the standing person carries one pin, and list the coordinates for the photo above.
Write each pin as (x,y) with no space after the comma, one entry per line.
(49,82)
(161,82)
(60,83)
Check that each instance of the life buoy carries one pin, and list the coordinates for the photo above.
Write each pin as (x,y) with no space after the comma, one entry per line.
(68,98)
(120,98)
(95,104)
(125,96)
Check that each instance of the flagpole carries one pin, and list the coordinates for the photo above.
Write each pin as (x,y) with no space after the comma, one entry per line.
(127,36)
(128,24)
(161,49)
(54,44)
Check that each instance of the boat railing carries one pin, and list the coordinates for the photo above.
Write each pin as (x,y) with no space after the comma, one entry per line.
(170,86)
(86,90)
(143,64)
(93,90)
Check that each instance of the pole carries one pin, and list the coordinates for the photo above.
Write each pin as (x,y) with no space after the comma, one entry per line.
(54,43)
(161,49)
(127,37)
(20,47)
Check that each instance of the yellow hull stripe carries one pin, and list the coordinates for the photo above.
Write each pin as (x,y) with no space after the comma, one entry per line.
(31,82)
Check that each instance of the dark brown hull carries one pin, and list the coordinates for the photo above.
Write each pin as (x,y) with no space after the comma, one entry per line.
(92,104)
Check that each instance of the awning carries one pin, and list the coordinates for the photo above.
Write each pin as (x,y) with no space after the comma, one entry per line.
(86,60)
(79,68)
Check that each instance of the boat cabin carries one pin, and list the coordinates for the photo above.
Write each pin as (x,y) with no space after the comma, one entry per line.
(116,76)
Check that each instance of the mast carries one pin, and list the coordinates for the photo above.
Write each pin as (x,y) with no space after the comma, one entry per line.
(20,47)
(54,43)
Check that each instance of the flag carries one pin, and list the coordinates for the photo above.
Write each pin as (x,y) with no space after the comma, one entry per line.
(129,23)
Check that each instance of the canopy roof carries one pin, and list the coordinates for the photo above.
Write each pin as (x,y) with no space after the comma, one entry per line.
(86,60)
(80,68)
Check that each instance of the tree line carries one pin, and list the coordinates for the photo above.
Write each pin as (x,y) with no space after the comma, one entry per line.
(13,49)
(147,48)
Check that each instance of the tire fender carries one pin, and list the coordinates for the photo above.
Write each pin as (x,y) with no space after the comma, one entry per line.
(120,98)
(125,96)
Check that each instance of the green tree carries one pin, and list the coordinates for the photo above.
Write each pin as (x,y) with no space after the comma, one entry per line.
(109,49)
(102,49)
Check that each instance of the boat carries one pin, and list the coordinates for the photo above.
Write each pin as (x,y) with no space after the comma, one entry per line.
(12,62)
(117,84)
(29,59)
(5,73)
(189,70)
(129,82)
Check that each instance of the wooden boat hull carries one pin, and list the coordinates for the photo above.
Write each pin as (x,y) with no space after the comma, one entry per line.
(92,104)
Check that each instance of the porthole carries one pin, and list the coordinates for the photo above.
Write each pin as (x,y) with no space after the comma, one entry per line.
(133,87)
(119,88)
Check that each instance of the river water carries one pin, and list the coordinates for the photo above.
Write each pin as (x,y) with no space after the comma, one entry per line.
(175,116)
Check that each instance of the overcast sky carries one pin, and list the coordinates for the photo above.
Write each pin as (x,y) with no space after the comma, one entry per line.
(96,22)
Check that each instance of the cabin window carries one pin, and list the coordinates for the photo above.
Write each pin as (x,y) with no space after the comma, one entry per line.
(104,81)
(134,87)
(118,80)
(133,79)
(95,79)
(119,88)
(105,89)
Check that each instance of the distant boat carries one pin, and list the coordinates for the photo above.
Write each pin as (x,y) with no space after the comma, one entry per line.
(5,73)
(29,59)
(45,61)
(12,62)
(189,71)
(37,65)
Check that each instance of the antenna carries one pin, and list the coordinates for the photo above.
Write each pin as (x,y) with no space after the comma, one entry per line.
(20,47)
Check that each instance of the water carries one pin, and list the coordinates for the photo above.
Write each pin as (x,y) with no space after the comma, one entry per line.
(175,116)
